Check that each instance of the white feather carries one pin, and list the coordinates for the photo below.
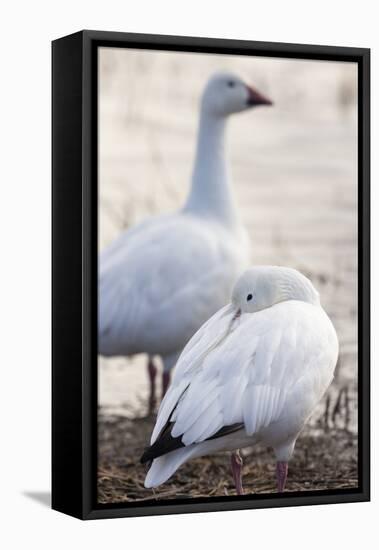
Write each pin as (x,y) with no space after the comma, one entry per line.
(265,370)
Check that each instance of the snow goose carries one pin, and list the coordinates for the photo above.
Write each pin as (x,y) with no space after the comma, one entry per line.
(159,281)
(254,372)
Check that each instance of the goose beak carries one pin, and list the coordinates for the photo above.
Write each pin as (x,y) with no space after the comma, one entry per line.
(255,98)
(237,314)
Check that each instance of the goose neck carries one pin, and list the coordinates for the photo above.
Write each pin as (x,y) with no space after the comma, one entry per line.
(211,193)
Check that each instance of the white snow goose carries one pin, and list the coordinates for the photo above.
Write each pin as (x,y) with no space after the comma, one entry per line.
(161,280)
(253,373)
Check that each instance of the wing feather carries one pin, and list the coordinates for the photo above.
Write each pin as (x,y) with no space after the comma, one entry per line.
(187,415)
(167,406)
(206,425)
(245,376)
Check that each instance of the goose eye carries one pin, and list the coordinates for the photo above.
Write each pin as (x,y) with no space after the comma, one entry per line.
(249,297)
(231,84)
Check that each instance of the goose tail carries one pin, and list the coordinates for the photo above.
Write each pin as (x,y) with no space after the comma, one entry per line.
(163,467)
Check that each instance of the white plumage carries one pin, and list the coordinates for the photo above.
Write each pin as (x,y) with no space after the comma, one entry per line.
(257,369)
(159,281)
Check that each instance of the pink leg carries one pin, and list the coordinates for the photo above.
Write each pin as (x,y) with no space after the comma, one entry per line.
(152,372)
(237,462)
(166,377)
(281,474)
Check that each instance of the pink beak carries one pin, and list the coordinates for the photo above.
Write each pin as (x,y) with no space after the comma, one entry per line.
(236,315)
(256,98)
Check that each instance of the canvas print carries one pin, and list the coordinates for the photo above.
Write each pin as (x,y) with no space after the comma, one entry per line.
(227,276)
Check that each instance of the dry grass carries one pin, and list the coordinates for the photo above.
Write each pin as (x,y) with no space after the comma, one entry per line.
(322,460)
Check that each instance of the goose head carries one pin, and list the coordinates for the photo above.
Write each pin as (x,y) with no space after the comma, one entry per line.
(226,93)
(264,286)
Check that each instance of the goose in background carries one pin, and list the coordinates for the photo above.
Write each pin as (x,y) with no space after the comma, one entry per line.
(161,280)
(253,373)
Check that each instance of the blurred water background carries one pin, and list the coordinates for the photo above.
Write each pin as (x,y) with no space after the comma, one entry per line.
(294,169)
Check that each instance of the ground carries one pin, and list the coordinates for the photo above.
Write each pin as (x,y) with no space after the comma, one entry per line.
(323,459)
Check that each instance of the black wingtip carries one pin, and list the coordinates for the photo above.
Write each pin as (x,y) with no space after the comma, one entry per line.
(166,443)
(146,456)
(163,445)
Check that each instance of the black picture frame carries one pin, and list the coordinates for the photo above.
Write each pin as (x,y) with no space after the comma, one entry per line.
(74,271)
